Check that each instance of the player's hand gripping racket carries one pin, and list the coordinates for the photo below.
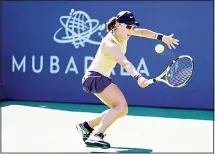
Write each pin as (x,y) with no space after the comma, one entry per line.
(177,74)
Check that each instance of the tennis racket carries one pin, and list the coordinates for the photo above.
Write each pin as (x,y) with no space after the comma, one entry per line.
(178,73)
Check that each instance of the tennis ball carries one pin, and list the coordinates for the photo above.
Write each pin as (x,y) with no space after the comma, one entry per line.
(159,48)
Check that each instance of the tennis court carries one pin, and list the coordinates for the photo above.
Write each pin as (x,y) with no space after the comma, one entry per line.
(50,127)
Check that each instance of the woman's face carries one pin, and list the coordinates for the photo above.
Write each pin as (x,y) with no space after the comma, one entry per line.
(124,30)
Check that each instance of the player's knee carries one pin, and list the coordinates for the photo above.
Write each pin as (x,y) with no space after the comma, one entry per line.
(123,108)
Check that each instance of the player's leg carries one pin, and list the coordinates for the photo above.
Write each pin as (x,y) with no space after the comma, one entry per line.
(86,128)
(95,122)
(112,96)
(94,82)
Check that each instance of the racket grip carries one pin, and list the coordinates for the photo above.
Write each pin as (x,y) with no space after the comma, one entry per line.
(150,81)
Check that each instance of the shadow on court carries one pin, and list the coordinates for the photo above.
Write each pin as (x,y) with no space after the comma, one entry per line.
(131,150)
(134,111)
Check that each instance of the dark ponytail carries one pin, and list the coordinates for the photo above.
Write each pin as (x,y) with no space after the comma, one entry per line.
(110,25)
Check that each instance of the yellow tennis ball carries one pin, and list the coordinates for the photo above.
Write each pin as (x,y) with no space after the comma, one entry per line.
(159,48)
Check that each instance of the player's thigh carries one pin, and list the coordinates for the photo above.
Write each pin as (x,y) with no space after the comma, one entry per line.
(112,96)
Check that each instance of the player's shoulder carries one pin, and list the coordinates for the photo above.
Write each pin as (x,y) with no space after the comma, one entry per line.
(109,42)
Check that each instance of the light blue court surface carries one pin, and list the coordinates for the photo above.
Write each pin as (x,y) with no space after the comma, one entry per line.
(50,127)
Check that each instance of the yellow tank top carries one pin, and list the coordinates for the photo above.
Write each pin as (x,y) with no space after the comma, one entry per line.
(102,63)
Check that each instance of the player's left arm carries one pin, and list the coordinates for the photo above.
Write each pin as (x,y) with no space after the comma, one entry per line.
(168,39)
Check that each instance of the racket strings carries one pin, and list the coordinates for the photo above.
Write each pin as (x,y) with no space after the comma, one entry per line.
(177,82)
(180,72)
(182,75)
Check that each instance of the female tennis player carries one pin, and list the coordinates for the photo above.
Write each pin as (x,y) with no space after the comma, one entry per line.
(97,77)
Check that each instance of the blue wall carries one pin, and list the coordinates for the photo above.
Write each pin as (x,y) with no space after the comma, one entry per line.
(34,30)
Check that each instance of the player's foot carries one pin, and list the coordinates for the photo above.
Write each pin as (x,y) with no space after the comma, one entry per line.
(84,129)
(96,140)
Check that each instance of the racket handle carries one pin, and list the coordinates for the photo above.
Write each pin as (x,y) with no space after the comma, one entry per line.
(150,81)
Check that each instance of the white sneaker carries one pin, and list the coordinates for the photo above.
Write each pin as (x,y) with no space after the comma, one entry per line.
(96,140)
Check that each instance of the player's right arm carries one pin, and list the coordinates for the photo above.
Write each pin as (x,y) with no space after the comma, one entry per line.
(114,50)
